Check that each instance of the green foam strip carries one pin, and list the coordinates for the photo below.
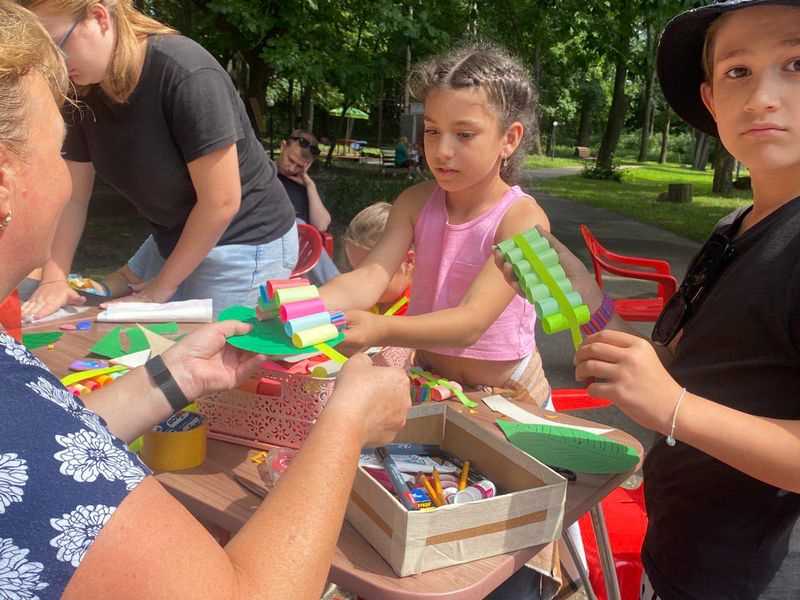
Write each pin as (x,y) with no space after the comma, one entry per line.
(568,448)
(266,337)
(110,345)
(41,338)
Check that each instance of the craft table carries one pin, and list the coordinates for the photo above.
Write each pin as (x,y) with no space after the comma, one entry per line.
(213,496)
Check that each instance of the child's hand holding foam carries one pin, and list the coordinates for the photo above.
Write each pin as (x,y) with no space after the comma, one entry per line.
(582,280)
(364,329)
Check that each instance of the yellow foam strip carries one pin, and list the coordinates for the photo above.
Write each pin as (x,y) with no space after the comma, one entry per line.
(331,353)
(557,293)
(396,306)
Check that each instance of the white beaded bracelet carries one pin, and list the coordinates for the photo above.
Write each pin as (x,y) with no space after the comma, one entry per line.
(671,436)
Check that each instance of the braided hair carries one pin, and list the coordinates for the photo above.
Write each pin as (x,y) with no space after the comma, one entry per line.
(510,92)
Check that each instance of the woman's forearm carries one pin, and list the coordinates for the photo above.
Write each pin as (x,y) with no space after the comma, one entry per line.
(328,461)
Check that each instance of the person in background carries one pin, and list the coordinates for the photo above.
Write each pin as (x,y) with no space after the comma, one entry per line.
(362,235)
(160,120)
(298,152)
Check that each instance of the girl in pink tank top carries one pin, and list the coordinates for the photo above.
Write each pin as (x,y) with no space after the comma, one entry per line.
(464,319)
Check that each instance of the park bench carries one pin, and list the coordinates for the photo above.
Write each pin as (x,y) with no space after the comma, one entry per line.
(584,153)
(387,163)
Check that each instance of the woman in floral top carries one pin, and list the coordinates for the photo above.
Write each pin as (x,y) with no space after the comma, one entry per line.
(80,516)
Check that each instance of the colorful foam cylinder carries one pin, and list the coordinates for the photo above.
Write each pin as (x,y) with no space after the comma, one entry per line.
(540,291)
(292,326)
(295,310)
(558,322)
(295,294)
(275,284)
(548,306)
(316,335)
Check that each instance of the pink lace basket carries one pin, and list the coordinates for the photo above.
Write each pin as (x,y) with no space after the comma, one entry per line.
(283,416)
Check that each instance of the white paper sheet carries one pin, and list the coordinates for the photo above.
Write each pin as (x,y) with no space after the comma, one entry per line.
(187,311)
(502,405)
(61,313)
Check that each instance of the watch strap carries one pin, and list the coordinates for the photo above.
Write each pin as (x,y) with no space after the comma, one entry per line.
(166,383)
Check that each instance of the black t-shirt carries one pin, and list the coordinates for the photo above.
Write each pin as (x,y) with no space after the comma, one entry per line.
(714,532)
(184,107)
(298,194)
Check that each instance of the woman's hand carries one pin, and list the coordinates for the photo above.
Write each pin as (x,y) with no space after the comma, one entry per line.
(626,370)
(147,291)
(48,298)
(582,280)
(376,399)
(203,362)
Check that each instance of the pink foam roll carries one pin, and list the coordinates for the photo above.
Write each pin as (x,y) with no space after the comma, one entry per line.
(276,284)
(294,310)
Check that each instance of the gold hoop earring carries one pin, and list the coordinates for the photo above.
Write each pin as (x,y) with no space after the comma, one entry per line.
(5,221)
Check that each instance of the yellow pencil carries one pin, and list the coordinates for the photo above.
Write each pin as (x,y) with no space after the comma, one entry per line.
(437,485)
(462,482)
(431,492)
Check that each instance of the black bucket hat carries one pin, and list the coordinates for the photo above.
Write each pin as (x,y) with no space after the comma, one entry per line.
(680,59)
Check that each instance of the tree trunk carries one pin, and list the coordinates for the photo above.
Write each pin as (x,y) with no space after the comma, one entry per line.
(536,138)
(307,109)
(662,158)
(342,131)
(259,73)
(616,116)
(701,152)
(290,110)
(585,123)
(380,111)
(723,172)
(644,140)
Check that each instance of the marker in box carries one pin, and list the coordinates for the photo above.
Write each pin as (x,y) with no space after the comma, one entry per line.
(403,491)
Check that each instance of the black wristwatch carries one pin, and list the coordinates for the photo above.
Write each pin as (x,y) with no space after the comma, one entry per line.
(166,383)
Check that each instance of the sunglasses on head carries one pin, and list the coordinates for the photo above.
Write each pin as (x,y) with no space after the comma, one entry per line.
(306,144)
(716,254)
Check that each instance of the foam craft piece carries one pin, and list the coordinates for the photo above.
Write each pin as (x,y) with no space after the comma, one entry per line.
(110,345)
(44,338)
(266,337)
(567,448)
(158,344)
(434,381)
(543,281)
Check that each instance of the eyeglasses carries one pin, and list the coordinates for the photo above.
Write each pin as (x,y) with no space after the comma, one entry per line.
(64,39)
(306,144)
(704,270)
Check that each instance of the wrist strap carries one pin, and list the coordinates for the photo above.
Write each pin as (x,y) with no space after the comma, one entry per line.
(166,383)
(671,436)
(600,318)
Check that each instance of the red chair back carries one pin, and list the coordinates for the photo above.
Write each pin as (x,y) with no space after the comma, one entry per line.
(11,316)
(310,249)
(646,269)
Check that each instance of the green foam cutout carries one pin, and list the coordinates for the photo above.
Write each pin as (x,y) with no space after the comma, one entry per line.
(44,338)
(568,448)
(110,345)
(266,337)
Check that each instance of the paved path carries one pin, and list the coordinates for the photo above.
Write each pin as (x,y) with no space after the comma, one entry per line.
(618,233)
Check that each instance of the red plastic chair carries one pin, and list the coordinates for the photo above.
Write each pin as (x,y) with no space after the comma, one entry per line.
(624,512)
(327,242)
(11,316)
(310,249)
(649,269)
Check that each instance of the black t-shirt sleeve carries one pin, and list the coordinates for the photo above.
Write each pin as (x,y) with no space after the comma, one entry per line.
(202,114)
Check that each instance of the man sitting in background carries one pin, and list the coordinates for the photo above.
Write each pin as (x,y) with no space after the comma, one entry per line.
(298,152)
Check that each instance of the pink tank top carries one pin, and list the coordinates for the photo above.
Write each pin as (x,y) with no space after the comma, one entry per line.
(448,259)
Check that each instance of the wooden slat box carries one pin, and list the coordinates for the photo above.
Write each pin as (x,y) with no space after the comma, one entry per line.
(530,512)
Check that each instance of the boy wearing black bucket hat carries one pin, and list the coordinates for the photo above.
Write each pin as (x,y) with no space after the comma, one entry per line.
(721,381)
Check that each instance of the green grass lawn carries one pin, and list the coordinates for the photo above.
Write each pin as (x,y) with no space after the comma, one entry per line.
(539,161)
(636,196)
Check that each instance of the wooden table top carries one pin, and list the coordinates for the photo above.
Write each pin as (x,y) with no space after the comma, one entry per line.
(212,495)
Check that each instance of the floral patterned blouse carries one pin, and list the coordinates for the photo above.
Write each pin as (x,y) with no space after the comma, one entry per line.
(62,475)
